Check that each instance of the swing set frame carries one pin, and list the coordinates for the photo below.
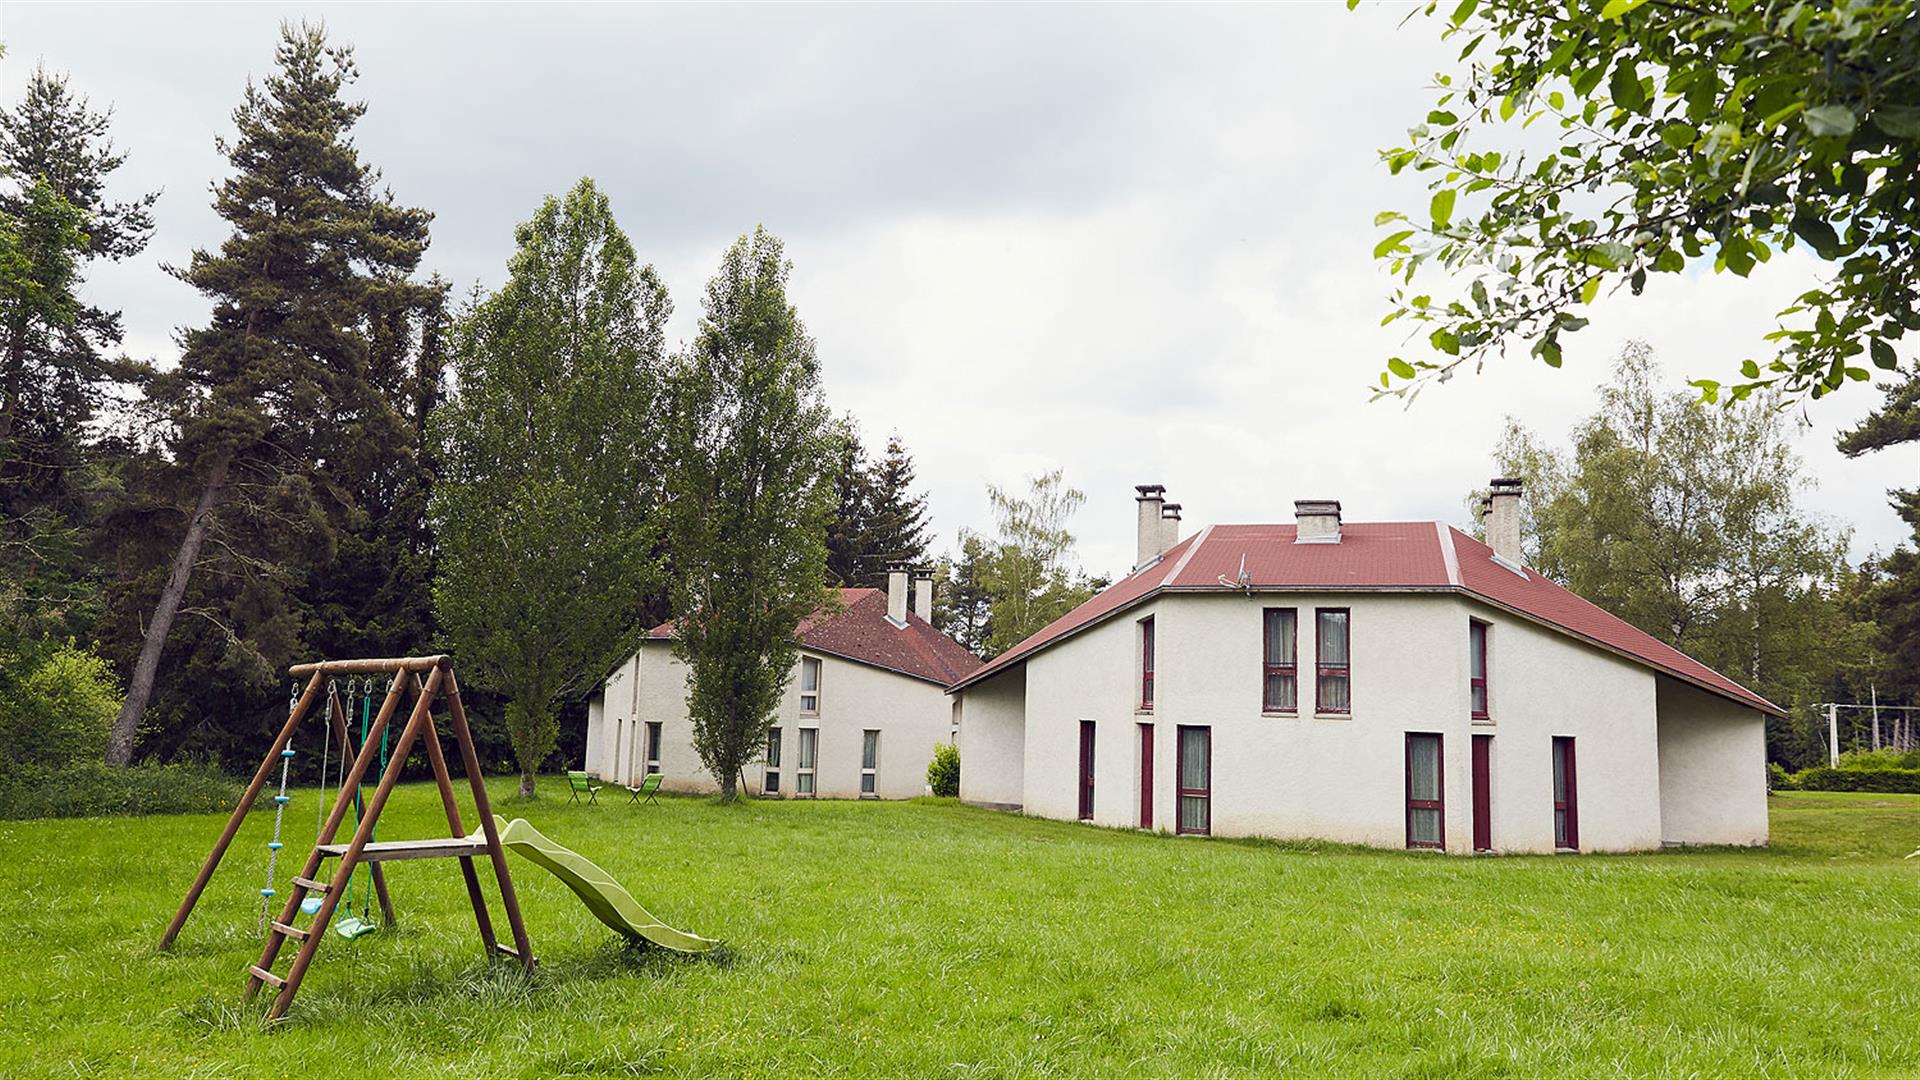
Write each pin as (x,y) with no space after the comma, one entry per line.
(406,671)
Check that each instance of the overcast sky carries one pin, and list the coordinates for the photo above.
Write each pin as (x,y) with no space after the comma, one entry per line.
(1130,242)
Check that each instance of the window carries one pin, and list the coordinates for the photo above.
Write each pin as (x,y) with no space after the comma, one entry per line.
(1085,783)
(1566,796)
(809,686)
(772,785)
(1426,809)
(653,746)
(803,769)
(1194,750)
(1146,663)
(870,764)
(1280,682)
(1477,667)
(1146,776)
(1335,692)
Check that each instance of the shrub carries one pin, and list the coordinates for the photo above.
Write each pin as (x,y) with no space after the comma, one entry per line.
(1778,779)
(1878,760)
(91,788)
(55,707)
(943,772)
(1890,781)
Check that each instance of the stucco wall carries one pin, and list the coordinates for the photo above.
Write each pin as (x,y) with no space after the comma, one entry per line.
(912,715)
(1343,777)
(1713,755)
(993,740)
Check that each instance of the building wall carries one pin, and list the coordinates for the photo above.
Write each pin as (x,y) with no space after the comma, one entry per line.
(1333,776)
(993,740)
(1713,787)
(911,714)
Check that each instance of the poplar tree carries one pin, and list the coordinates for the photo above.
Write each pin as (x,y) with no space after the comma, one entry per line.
(750,491)
(544,511)
(281,378)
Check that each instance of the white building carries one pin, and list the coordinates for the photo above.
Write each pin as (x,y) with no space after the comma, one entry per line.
(862,713)
(1394,683)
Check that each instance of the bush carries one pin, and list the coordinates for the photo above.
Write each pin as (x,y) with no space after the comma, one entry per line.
(1778,779)
(1879,760)
(1890,781)
(943,772)
(95,789)
(55,707)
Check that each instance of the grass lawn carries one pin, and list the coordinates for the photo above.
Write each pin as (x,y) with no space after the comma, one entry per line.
(932,939)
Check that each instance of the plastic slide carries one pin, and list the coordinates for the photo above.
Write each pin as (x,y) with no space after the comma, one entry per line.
(603,896)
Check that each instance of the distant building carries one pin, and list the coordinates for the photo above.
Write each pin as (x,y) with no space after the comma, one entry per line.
(863,711)
(1394,683)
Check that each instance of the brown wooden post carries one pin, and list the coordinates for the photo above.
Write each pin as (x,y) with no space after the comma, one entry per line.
(438,758)
(341,731)
(240,811)
(422,710)
(361,762)
(470,760)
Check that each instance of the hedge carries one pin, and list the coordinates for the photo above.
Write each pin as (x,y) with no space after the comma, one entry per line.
(1889,781)
(94,789)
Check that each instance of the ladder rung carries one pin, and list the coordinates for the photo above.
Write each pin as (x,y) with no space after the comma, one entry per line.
(505,949)
(311,885)
(293,932)
(266,976)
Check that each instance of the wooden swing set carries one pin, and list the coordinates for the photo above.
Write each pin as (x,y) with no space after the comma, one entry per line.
(406,671)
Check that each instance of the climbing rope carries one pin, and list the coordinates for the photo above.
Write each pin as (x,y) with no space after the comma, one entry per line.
(279,808)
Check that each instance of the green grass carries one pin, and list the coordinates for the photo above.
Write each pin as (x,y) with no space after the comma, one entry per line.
(930,939)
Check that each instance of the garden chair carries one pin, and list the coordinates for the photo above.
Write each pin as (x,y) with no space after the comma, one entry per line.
(581,782)
(647,787)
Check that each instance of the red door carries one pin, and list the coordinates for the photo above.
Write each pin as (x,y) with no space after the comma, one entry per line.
(1146,776)
(1086,770)
(1566,796)
(1483,793)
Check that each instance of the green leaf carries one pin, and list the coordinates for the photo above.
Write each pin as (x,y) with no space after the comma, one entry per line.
(1899,121)
(1617,8)
(1883,357)
(1396,242)
(1385,216)
(1858,374)
(1442,118)
(1679,136)
(1445,341)
(1627,91)
(1669,261)
(1400,368)
(1465,11)
(1590,290)
(1508,106)
(1826,121)
(1442,207)
(1818,234)
(1548,350)
(1557,99)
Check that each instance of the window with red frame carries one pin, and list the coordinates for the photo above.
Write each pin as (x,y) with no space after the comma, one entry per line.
(1280,680)
(1477,667)
(1334,691)
(1146,663)
(1426,805)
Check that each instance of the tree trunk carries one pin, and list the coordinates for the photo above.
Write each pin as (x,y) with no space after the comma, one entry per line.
(140,689)
(15,374)
(729,789)
(526,783)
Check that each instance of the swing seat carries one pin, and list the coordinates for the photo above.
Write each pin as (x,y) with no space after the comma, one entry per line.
(353,926)
(310,906)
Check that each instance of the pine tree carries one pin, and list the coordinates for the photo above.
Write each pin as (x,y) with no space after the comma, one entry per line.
(270,392)
(849,560)
(751,490)
(554,426)
(897,525)
(963,605)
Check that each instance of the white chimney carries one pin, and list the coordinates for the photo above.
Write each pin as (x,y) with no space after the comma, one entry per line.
(897,594)
(1151,532)
(1502,519)
(923,593)
(1169,526)
(1316,521)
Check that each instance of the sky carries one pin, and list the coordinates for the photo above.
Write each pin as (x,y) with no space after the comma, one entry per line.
(1132,243)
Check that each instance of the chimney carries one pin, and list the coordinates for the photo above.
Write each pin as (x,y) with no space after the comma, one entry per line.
(1169,526)
(897,593)
(1502,519)
(923,593)
(1316,521)
(1152,533)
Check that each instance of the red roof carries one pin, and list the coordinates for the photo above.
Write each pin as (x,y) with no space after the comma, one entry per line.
(1425,556)
(861,632)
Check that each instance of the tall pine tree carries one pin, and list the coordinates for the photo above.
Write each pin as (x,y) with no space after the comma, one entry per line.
(269,396)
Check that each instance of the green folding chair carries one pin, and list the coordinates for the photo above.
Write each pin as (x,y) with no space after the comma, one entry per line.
(647,787)
(582,783)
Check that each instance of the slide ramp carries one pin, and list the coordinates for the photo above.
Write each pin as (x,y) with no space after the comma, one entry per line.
(609,902)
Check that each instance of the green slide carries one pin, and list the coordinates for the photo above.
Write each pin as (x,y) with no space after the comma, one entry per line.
(603,896)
